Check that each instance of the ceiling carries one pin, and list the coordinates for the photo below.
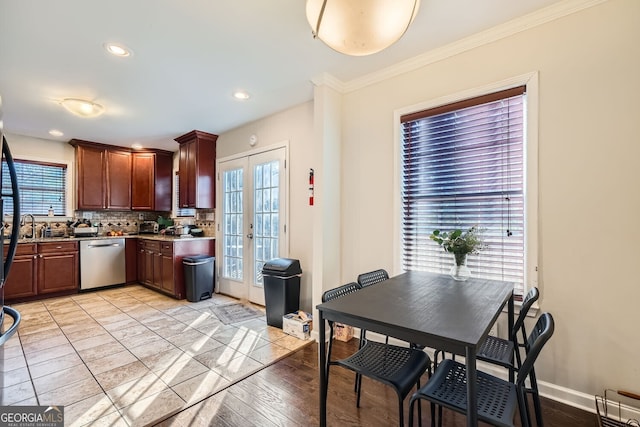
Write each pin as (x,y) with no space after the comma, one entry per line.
(188,58)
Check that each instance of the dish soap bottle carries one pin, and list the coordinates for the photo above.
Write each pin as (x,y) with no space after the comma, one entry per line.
(50,211)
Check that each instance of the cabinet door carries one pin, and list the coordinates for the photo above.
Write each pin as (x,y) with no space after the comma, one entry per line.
(187,171)
(142,269)
(131,257)
(167,282)
(142,181)
(57,272)
(157,269)
(91,176)
(21,281)
(118,180)
(149,255)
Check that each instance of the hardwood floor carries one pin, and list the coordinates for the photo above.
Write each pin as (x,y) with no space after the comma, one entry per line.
(286,394)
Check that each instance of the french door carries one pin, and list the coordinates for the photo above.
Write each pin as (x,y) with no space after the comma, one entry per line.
(252,221)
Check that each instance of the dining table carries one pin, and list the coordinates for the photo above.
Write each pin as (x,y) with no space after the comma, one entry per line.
(430,309)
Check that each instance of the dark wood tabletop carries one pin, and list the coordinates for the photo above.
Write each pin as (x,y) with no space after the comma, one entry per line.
(424,308)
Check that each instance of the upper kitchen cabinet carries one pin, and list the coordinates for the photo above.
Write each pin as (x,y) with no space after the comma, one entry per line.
(197,170)
(151,181)
(103,176)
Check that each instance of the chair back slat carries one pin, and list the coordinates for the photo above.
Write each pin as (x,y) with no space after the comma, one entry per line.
(372,277)
(541,333)
(340,291)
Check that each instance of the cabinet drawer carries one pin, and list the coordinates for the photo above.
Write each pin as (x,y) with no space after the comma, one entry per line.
(57,247)
(152,246)
(22,249)
(166,249)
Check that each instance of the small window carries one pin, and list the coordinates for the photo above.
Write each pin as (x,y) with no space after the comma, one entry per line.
(42,186)
(178,210)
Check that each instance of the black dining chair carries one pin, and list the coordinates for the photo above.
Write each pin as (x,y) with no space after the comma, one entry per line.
(497,399)
(501,352)
(508,352)
(398,367)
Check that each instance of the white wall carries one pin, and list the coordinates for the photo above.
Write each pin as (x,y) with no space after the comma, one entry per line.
(295,126)
(589,203)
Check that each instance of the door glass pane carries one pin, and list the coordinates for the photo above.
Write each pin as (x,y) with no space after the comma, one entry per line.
(266,215)
(232,224)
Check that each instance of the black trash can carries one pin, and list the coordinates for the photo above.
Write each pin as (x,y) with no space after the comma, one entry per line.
(199,277)
(281,288)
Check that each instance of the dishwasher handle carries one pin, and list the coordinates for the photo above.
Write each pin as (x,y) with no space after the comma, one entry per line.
(105,245)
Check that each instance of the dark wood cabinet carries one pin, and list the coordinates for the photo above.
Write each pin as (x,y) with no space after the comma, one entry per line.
(131,260)
(43,269)
(197,170)
(161,263)
(103,176)
(91,170)
(151,181)
(22,279)
(118,180)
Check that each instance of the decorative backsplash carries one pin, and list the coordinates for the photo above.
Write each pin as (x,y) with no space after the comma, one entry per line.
(106,221)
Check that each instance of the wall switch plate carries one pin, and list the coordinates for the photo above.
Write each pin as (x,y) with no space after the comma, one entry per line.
(141,216)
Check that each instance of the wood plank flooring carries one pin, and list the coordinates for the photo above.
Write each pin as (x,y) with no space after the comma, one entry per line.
(286,394)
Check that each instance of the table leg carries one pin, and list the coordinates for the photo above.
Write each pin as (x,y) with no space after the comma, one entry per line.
(513,338)
(322,365)
(472,398)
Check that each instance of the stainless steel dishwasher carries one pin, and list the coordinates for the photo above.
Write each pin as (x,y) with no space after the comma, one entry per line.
(102,263)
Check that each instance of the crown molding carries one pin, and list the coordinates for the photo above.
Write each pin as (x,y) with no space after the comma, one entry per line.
(525,22)
(326,79)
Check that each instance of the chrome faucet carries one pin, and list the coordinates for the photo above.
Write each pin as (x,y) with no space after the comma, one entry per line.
(33,224)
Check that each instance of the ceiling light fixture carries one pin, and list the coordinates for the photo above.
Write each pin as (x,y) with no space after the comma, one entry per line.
(241,95)
(56,132)
(360,27)
(136,146)
(82,108)
(117,49)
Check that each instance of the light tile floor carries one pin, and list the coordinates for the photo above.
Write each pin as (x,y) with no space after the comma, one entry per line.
(130,356)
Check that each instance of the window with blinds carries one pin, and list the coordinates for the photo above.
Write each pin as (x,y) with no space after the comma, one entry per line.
(463,165)
(41,185)
(178,210)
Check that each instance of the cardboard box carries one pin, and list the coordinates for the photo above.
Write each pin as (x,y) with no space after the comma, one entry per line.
(298,324)
(342,332)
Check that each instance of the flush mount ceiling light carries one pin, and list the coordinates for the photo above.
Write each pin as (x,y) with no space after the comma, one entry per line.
(117,49)
(360,27)
(82,108)
(241,95)
(56,132)
(136,146)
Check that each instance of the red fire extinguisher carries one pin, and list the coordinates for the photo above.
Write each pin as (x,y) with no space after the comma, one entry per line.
(310,187)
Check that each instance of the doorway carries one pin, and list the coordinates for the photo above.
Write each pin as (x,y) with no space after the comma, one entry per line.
(253,199)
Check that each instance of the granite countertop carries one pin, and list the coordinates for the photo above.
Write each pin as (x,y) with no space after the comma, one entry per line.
(131,236)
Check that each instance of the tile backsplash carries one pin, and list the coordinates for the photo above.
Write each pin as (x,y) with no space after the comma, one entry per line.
(125,221)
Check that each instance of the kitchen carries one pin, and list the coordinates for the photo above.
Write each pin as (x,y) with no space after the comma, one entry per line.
(120,194)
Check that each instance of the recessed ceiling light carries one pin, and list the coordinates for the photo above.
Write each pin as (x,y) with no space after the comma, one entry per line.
(117,49)
(241,95)
(136,146)
(82,107)
(55,132)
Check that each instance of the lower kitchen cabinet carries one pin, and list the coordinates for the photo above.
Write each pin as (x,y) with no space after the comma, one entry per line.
(58,267)
(160,263)
(42,269)
(22,279)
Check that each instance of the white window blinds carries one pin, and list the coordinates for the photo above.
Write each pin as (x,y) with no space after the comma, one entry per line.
(41,185)
(463,166)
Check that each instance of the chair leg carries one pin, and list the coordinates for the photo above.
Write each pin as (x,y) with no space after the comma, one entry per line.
(359,392)
(401,411)
(536,398)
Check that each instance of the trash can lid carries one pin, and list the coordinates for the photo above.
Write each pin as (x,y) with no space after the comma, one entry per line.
(196,258)
(282,267)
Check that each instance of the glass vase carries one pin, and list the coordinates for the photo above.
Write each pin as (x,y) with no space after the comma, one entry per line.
(459,271)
